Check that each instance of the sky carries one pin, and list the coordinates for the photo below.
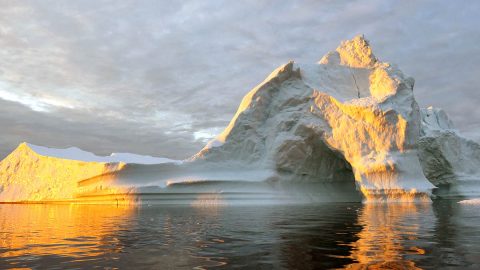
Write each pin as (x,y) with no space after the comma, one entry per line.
(164,77)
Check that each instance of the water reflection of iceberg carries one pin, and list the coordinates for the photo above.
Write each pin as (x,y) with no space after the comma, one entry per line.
(316,236)
(389,238)
(49,234)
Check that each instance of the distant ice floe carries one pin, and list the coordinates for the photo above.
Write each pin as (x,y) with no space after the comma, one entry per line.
(475,201)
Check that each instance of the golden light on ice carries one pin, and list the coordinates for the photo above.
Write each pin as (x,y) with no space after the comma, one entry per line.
(394,196)
(30,177)
(368,116)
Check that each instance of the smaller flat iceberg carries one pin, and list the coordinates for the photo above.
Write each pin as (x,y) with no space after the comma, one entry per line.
(33,173)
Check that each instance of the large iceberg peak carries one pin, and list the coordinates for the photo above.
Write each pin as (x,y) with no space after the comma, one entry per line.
(355,53)
(283,72)
(257,99)
(348,119)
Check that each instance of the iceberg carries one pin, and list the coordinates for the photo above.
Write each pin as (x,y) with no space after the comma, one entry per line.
(449,160)
(350,117)
(346,128)
(37,173)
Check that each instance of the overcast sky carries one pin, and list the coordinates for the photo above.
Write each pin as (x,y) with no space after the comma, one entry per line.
(163,77)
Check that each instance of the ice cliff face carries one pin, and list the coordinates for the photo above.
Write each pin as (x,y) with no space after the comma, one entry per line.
(28,176)
(350,115)
(450,161)
(36,173)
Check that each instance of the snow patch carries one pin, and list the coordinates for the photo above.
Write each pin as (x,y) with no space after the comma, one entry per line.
(74,153)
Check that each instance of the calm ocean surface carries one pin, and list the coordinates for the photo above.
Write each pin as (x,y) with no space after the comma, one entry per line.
(442,235)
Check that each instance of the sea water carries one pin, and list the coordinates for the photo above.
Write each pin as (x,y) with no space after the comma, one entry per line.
(442,234)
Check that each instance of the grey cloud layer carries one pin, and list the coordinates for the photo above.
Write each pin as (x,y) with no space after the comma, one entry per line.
(160,77)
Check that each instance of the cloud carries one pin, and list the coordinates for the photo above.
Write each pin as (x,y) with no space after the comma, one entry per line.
(171,74)
(43,103)
(99,136)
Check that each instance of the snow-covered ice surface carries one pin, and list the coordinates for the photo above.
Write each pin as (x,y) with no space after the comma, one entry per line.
(328,131)
(74,153)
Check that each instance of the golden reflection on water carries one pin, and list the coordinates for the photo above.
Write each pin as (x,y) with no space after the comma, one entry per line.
(389,230)
(79,235)
(378,236)
(59,229)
